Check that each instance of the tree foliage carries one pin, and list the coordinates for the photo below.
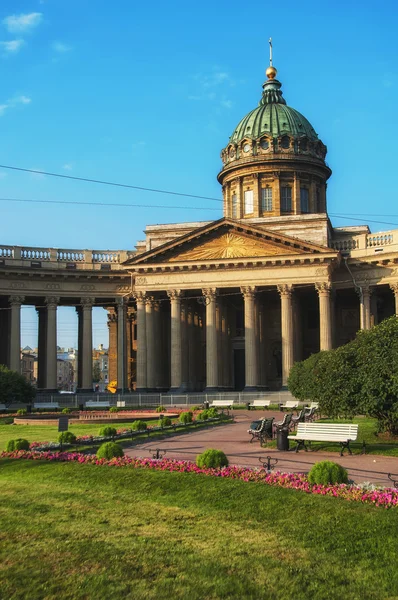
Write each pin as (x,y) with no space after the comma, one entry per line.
(358,378)
(14,387)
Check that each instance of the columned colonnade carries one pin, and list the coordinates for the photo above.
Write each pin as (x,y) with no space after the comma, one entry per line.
(218,357)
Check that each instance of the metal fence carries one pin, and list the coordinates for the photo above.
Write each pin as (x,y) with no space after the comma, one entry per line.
(152,400)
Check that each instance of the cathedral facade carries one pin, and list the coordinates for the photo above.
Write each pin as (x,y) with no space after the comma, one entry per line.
(222,305)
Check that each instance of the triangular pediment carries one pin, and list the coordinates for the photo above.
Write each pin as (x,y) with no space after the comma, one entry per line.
(224,240)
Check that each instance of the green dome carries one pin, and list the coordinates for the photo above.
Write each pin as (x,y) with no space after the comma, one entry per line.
(273,117)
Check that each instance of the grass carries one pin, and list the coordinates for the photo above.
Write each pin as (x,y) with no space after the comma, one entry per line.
(84,532)
(49,433)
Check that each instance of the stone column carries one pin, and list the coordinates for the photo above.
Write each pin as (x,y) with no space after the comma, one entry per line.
(184,347)
(276,194)
(41,347)
(112,352)
(191,348)
(15,337)
(325,318)
(141,343)
(85,355)
(364,306)
(121,345)
(51,344)
(256,195)
(158,356)
(150,343)
(225,347)
(175,340)
(249,294)
(394,289)
(210,295)
(285,292)
(296,195)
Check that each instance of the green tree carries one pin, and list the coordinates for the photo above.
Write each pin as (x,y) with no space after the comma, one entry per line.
(358,378)
(96,372)
(14,387)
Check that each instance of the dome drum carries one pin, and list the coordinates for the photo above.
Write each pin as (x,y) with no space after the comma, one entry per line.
(274,163)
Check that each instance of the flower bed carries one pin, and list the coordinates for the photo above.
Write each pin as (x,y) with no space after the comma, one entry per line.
(385,497)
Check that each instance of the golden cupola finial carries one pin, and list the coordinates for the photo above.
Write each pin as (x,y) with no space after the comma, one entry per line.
(271,71)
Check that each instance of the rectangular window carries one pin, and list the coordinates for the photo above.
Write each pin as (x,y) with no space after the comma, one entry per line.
(234,207)
(266,199)
(249,204)
(304,200)
(286,199)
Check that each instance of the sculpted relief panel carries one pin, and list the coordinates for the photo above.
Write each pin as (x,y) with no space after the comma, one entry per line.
(232,245)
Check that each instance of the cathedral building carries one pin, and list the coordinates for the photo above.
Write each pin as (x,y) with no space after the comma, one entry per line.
(220,305)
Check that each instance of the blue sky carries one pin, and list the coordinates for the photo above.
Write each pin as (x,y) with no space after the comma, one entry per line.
(148,93)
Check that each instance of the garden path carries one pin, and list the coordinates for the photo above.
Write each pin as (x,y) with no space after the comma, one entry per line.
(233,439)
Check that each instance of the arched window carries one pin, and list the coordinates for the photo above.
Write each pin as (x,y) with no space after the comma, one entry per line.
(285,142)
(286,199)
(304,200)
(249,204)
(266,199)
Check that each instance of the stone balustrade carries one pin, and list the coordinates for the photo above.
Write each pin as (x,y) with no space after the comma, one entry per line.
(365,243)
(63,258)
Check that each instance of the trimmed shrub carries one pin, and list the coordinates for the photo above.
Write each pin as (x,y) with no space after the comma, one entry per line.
(107,431)
(19,444)
(110,450)
(139,426)
(186,417)
(213,413)
(160,409)
(67,437)
(7,421)
(327,473)
(65,411)
(113,409)
(21,411)
(203,416)
(165,422)
(211,459)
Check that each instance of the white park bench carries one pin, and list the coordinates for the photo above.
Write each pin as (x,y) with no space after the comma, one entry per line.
(97,404)
(313,405)
(48,405)
(326,432)
(290,404)
(222,404)
(260,403)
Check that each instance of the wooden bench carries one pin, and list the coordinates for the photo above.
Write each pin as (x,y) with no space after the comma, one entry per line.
(46,405)
(325,432)
(259,403)
(97,404)
(290,404)
(222,404)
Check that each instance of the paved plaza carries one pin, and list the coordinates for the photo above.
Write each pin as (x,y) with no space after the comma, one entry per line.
(234,440)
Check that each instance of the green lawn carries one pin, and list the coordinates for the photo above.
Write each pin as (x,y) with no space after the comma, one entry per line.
(49,433)
(84,532)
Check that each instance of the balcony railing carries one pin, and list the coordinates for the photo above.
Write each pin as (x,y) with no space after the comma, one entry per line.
(63,258)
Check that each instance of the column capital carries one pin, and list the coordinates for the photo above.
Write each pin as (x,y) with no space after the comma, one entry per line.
(210,294)
(285,290)
(174,294)
(139,297)
(394,286)
(16,300)
(150,301)
(248,291)
(363,291)
(323,288)
(87,302)
(52,301)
